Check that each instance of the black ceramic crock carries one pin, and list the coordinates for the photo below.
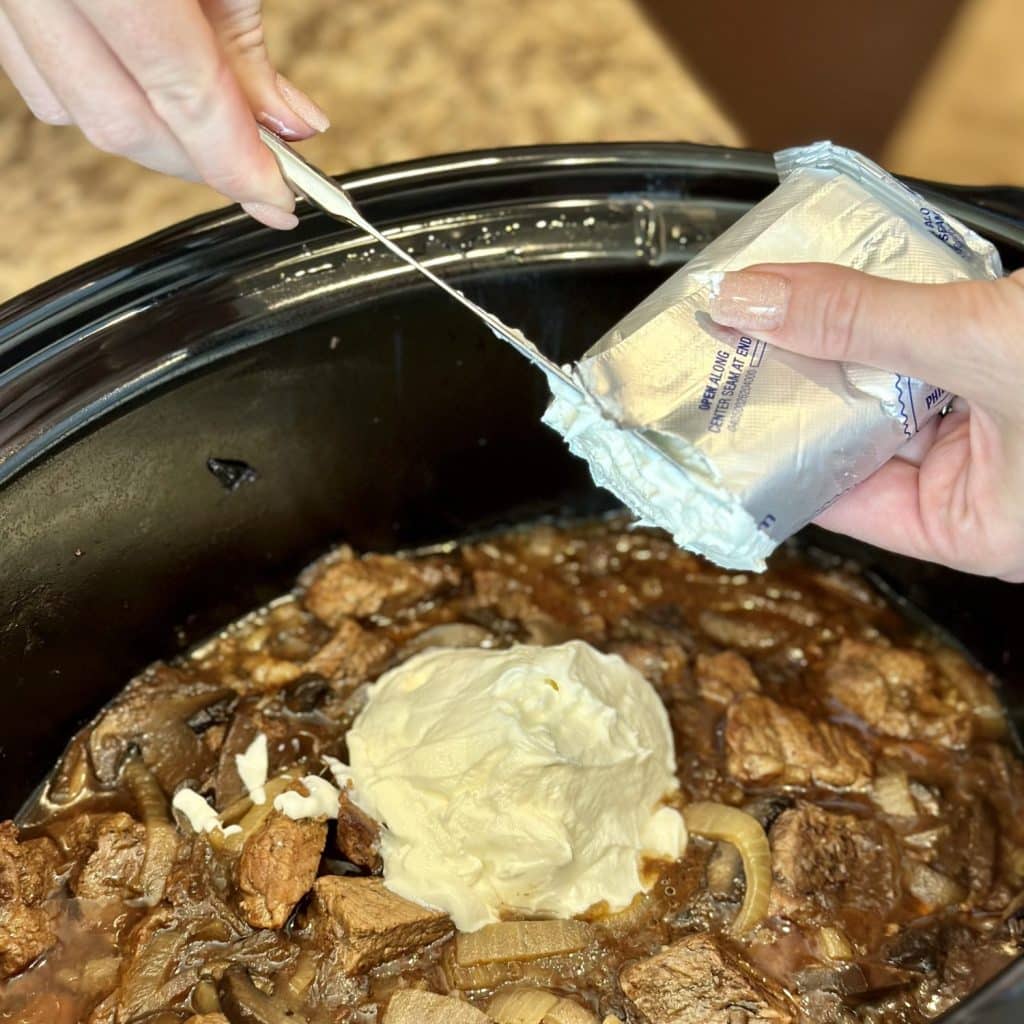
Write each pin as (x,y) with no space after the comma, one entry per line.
(187,422)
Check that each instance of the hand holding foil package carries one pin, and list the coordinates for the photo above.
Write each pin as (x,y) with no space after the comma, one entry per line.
(730,443)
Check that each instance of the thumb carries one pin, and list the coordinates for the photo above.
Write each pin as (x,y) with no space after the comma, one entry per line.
(276,102)
(964,337)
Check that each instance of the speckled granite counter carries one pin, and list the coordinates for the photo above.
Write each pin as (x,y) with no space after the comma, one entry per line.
(400,79)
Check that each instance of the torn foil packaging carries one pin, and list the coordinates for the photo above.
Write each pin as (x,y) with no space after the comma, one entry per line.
(729,443)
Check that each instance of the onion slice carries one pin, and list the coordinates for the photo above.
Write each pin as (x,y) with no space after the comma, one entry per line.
(161,835)
(536,1006)
(521,940)
(565,1011)
(731,825)
(521,1005)
(834,944)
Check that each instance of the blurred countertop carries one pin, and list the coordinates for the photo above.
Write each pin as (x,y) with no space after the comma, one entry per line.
(400,79)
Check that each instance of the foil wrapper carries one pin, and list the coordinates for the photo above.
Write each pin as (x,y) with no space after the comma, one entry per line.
(739,444)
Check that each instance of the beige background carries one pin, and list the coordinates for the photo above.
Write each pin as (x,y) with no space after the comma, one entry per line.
(408,78)
(400,79)
(966,118)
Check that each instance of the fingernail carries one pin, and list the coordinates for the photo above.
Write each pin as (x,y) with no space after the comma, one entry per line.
(302,105)
(749,300)
(285,131)
(272,216)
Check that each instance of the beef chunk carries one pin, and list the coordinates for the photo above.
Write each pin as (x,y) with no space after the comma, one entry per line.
(27,878)
(830,867)
(723,677)
(364,924)
(976,689)
(766,742)
(109,849)
(694,981)
(549,611)
(277,868)
(898,693)
(352,653)
(25,934)
(964,848)
(357,587)
(746,631)
(413,1006)
(358,835)
(662,664)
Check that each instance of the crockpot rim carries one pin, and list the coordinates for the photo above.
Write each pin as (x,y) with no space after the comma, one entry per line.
(79,283)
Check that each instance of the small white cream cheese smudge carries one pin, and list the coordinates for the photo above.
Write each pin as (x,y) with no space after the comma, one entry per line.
(252,768)
(200,815)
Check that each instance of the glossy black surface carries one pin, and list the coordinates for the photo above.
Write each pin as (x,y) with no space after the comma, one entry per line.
(185,423)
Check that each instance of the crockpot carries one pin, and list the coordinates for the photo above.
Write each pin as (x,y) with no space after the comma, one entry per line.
(186,422)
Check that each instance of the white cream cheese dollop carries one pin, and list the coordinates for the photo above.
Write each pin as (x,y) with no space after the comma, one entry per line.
(199,814)
(252,768)
(322,801)
(526,780)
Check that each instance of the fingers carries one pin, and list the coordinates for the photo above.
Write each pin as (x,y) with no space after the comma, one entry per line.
(276,102)
(170,50)
(156,83)
(90,84)
(25,76)
(958,336)
(916,449)
(884,510)
(943,510)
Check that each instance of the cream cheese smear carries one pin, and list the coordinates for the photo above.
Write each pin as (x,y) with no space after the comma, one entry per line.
(680,493)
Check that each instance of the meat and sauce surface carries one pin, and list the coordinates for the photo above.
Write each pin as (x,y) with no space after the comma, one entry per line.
(856,811)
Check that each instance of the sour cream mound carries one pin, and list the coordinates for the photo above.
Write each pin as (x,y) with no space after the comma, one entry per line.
(528,780)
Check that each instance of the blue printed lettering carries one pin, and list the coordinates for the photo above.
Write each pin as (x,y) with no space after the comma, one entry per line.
(718,367)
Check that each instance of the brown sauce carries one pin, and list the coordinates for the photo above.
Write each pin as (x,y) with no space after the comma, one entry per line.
(876,760)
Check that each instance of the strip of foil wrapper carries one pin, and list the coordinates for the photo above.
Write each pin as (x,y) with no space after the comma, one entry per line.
(730,443)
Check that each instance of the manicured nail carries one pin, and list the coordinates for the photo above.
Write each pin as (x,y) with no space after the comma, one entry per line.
(749,300)
(302,105)
(285,131)
(272,216)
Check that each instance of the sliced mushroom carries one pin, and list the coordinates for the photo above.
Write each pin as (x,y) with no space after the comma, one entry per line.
(854,981)
(204,997)
(153,714)
(73,775)
(243,1003)
(144,980)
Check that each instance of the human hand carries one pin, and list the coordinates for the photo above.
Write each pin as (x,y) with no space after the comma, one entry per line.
(176,85)
(954,494)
